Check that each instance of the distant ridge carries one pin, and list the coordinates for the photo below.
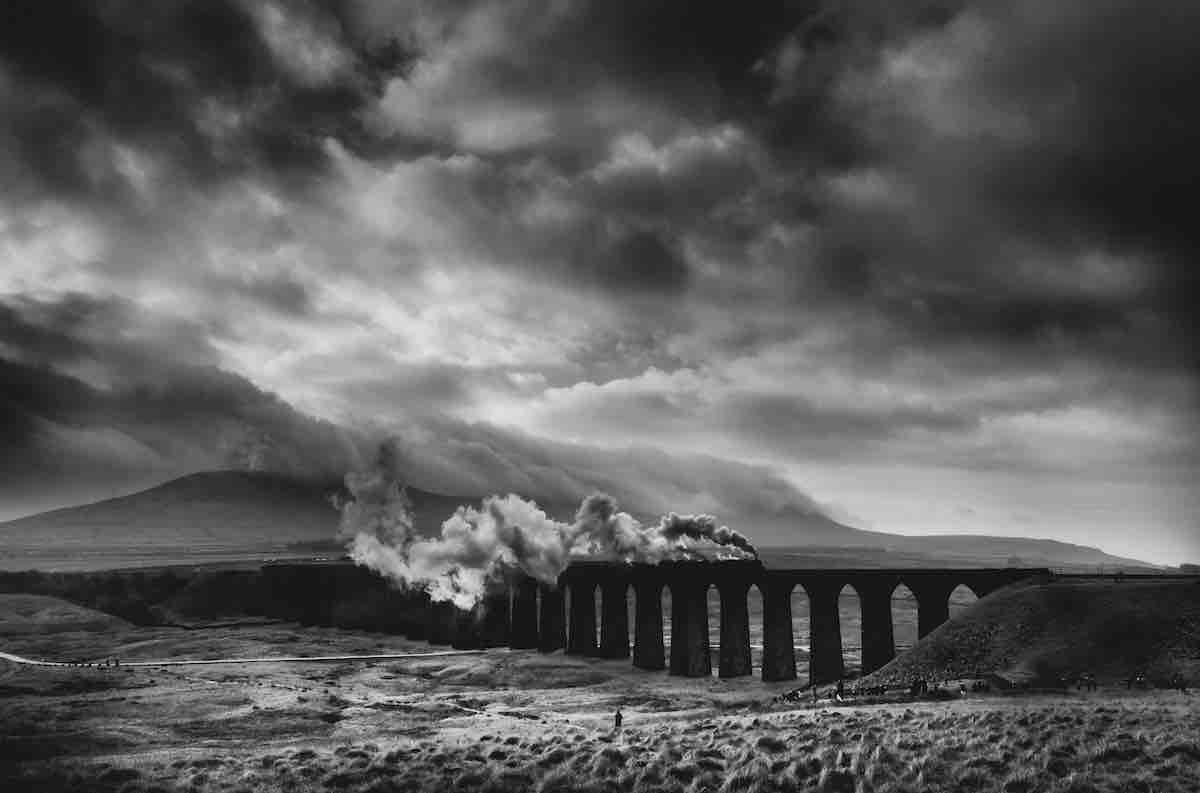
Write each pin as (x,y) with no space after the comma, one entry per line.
(228,508)
(894,550)
(213,507)
(1026,550)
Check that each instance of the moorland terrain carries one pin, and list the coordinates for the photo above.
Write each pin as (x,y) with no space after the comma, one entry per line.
(503,720)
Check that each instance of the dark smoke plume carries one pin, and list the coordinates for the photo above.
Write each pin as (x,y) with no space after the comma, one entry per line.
(477,547)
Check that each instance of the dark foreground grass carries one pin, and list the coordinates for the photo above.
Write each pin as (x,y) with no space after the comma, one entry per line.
(1147,744)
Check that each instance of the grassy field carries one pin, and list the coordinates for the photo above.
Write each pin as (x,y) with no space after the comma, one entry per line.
(511,721)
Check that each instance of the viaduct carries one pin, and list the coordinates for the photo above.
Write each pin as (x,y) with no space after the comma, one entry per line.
(532,615)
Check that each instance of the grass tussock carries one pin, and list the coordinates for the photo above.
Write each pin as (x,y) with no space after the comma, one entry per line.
(1029,748)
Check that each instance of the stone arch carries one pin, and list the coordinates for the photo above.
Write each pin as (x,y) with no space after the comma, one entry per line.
(850,618)
(664,599)
(754,606)
(597,612)
(712,611)
(962,597)
(982,587)
(904,617)
(630,610)
(801,629)
(933,595)
(567,602)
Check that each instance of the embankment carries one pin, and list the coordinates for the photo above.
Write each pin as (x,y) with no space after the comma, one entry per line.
(330,594)
(1038,632)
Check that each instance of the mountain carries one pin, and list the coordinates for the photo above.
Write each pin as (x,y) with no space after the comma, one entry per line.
(875,549)
(244,509)
(65,441)
(1017,551)
(252,507)
(217,507)
(827,543)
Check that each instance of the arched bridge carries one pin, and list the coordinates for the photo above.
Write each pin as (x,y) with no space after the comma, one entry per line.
(533,615)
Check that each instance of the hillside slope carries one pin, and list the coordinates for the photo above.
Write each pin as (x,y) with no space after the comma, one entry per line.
(1108,628)
(1017,551)
(225,507)
(22,614)
(249,507)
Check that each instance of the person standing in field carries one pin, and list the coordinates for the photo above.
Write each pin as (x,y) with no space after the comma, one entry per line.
(617,719)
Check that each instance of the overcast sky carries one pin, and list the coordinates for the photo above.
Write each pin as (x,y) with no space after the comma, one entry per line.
(927,266)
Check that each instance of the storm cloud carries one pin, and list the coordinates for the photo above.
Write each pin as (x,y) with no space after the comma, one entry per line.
(816,249)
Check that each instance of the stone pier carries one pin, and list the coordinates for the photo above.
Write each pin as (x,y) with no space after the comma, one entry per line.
(417,615)
(825,658)
(441,623)
(779,648)
(878,635)
(524,632)
(648,650)
(466,630)
(689,629)
(493,616)
(933,603)
(581,636)
(735,630)
(614,619)
(552,625)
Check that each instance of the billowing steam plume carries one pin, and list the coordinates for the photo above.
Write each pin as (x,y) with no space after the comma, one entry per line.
(477,548)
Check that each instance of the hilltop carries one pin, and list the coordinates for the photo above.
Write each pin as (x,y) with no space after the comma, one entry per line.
(216,507)
(1041,630)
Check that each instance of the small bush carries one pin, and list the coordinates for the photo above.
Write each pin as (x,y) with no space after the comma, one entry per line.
(553,757)
(771,744)
(117,776)
(838,782)
(1189,751)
